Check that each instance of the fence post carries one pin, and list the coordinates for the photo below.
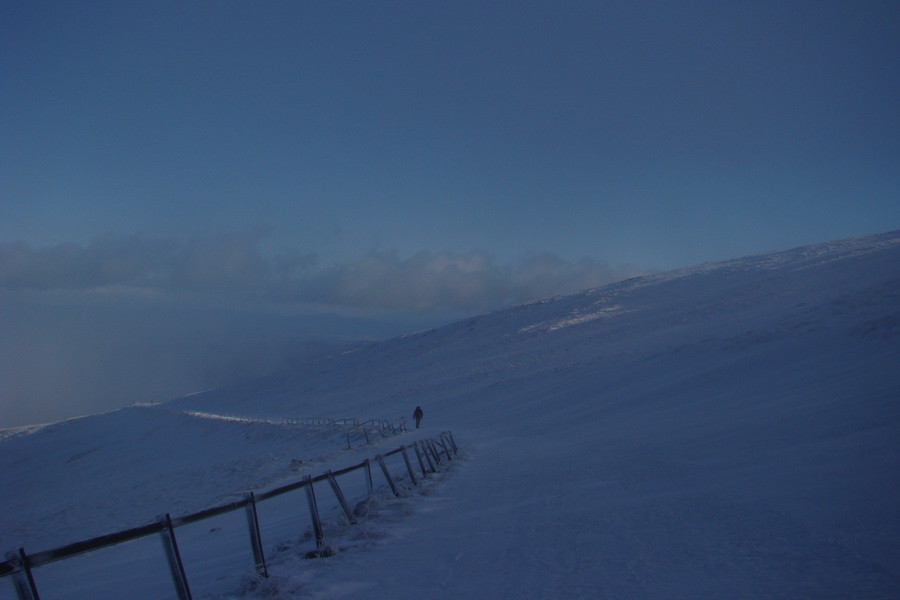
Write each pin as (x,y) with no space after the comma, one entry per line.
(179,577)
(440,442)
(440,445)
(341,499)
(370,486)
(409,469)
(387,475)
(419,458)
(427,452)
(22,578)
(259,557)
(453,442)
(434,452)
(314,513)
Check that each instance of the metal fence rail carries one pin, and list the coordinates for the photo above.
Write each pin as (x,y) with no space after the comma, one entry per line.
(429,454)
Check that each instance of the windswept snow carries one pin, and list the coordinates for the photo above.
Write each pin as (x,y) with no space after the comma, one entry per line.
(724,431)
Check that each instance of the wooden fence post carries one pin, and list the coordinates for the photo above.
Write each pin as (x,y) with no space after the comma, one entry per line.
(314,513)
(22,578)
(453,442)
(419,458)
(341,499)
(387,475)
(447,447)
(176,566)
(259,557)
(434,452)
(409,469)
(370,485)
(440,442)
(427,452)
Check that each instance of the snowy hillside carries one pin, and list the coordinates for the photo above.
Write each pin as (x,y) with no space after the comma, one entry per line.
(730,430)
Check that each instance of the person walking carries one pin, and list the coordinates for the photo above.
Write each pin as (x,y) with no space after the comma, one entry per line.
(417,415)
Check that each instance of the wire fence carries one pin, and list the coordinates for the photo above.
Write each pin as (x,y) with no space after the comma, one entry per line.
(419,460)
(364,433)
(351,422)
(358,433)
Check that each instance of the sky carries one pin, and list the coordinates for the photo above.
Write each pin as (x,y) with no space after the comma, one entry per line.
(413,162)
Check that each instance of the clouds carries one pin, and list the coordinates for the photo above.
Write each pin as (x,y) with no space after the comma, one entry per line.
(107,260)
(383,280)
(230,262)
(123,319)
(471,281)
(70,353)
(227,262)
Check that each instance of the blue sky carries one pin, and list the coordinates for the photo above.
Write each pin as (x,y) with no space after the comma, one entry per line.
(655,134)
(432,158)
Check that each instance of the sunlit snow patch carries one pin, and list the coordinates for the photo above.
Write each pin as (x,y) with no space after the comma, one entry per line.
(219,417)
(576,319)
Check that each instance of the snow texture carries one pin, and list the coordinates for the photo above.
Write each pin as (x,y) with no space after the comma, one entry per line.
(723,431)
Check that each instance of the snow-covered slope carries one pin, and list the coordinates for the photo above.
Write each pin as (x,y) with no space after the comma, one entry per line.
(729,430)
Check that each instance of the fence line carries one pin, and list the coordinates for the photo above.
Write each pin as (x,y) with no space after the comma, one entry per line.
(351,422)
(368,429)
(19,564)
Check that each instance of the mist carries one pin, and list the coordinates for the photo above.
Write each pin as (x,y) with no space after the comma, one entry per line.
(64,355)
(232,263)
(128,319)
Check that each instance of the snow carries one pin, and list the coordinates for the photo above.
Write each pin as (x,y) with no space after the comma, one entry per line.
(728,430)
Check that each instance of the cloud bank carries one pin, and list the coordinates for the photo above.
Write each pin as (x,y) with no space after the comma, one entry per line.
(228,262)
(426,281)
(124,319)
(444,280)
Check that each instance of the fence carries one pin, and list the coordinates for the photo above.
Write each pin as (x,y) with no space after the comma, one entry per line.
(352,422)
(362,433)
(428,455)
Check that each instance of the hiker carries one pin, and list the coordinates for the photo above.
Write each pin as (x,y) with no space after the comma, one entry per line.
(417,415)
